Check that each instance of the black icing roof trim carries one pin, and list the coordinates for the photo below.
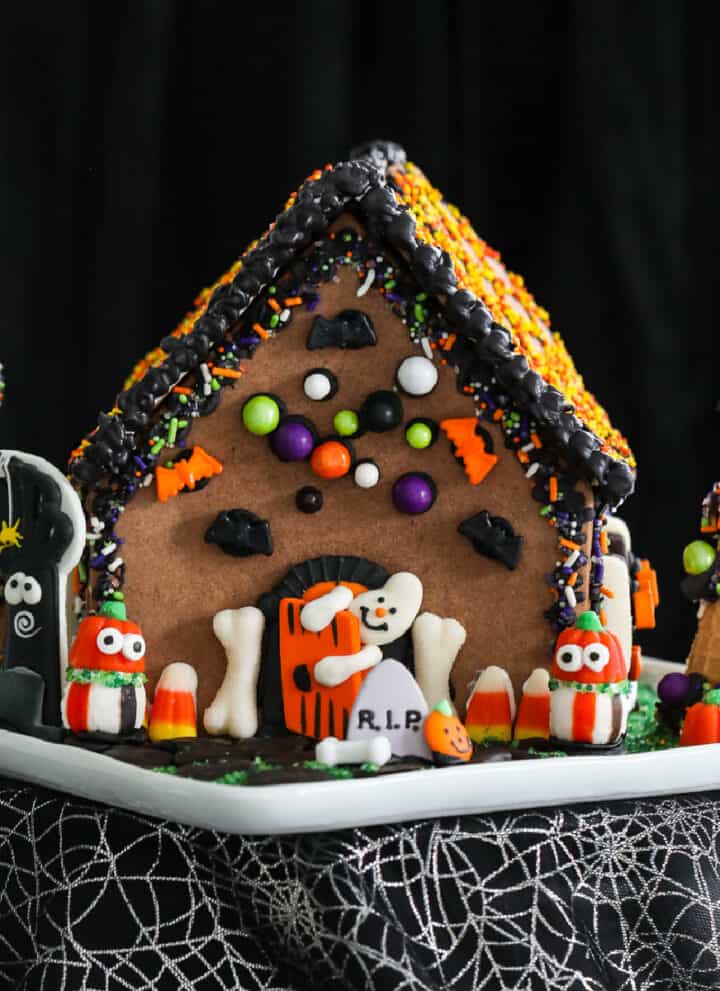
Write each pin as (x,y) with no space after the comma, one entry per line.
(360,184)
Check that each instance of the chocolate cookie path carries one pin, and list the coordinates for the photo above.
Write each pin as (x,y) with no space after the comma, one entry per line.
(277,760)
(290,759)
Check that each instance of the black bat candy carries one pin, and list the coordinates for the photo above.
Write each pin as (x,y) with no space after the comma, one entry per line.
(240,533)
(350,329)
(494,537)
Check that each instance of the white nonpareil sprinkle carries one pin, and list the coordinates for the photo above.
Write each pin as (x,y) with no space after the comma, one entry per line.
(369,279)
(317,386)
(417,375)
(367,474)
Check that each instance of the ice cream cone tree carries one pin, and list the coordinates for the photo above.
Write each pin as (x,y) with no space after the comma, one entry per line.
(702,585)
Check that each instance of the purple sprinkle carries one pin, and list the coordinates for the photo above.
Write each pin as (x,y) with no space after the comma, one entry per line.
(252,339)
(312,303)
(97,562)
(139,462)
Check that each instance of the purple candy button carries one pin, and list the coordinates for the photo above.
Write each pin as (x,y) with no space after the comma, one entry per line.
(293,440)
(414,493)
(674,688)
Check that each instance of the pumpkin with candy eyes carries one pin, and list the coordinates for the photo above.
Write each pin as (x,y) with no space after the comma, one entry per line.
(588,684)
(588,653)
(105,678)
(104,643)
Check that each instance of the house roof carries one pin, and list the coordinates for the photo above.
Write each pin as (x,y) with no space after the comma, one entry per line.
(496,321)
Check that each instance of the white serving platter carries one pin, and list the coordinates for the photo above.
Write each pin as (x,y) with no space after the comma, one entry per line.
(320,806)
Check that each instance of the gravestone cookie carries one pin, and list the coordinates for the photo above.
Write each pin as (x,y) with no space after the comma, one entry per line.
(390,703)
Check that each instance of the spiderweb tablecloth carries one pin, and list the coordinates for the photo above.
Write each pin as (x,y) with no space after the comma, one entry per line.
(621,895)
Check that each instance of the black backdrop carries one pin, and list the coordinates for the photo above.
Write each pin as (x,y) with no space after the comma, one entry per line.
(144,145)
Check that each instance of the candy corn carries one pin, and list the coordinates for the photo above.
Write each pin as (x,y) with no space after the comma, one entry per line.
(174,710)
(533,718)
(491,707)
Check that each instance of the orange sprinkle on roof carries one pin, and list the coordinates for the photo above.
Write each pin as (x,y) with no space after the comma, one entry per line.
(479,269)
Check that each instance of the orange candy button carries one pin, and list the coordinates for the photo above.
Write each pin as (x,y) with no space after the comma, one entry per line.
(331,459)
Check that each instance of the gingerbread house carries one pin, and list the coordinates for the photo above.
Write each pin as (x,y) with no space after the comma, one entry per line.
(366,393)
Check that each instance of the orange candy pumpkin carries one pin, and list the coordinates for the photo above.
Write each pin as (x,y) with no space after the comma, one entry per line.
(108,642)
(702,722)
(446,736)
(586,632)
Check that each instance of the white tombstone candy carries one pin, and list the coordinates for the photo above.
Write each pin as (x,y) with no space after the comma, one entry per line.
(391,704)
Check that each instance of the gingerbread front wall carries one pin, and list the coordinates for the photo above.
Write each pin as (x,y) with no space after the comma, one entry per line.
(175,582)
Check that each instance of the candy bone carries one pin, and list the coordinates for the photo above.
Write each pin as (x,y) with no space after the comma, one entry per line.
(334,669)
(436,644)
(332,751)
(234,709)
(319,613)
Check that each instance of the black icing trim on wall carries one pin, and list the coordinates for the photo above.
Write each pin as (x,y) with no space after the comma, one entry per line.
(361,185)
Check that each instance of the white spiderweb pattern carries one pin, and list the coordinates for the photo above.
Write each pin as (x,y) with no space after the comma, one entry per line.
(622,896)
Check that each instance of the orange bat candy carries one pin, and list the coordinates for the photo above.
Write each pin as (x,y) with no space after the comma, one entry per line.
(185,474)
(473,445)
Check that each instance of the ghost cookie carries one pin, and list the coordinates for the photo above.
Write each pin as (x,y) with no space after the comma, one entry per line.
(387,613)
(385,616)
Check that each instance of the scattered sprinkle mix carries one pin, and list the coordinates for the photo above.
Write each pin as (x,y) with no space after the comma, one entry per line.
(479,269)
(561,505)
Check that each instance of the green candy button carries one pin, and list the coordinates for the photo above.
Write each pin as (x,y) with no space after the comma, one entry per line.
(419,436)
(698,557)
(261,415)
(346,423)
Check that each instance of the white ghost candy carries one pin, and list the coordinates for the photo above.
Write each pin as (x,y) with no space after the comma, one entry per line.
(387,613)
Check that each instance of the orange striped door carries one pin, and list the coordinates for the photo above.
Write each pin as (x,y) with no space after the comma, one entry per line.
(320,711)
